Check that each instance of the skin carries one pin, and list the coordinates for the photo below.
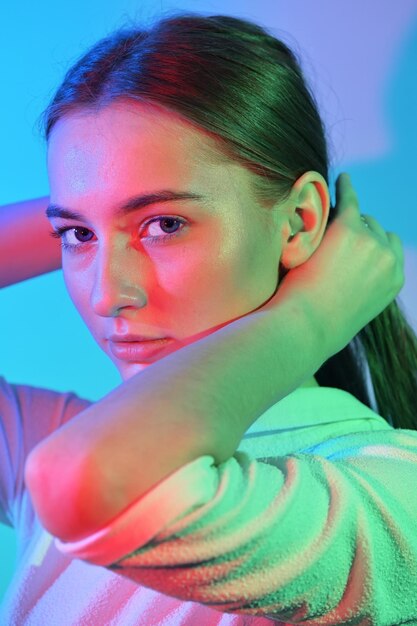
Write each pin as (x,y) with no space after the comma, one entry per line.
(223,265)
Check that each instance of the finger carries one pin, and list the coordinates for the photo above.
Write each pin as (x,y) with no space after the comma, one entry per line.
(374,226)
(345,194)
(397,245)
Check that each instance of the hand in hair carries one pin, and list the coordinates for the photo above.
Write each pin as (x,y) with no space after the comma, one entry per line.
(353,275)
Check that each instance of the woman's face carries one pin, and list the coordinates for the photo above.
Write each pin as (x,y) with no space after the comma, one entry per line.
(222,262)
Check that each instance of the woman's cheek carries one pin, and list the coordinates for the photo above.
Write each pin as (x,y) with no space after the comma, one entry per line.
(78,289)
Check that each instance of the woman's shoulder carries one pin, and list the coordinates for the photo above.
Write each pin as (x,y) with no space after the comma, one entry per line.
(36,411)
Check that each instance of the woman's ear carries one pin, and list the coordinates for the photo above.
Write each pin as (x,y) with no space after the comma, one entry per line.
(309,211)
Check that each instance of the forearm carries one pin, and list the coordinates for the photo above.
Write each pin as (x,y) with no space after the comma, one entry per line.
(198,400)
(26,249)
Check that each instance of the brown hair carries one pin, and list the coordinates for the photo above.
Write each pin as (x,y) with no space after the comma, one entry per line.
(246,88)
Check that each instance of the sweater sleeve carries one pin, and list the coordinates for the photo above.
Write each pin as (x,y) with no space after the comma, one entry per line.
(325,536)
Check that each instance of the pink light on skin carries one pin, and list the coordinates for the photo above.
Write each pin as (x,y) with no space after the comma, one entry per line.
(223,262)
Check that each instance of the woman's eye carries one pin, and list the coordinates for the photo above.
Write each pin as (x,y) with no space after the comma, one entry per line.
(79,233)
(62,232)
(165,221)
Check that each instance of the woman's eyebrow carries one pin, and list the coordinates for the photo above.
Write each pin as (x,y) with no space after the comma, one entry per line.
(132,204)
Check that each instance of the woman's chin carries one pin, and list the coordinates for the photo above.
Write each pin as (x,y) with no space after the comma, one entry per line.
(127,370)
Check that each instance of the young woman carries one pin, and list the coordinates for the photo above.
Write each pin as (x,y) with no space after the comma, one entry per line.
(239,474)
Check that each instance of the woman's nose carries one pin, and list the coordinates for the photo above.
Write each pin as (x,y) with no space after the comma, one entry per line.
(116,281)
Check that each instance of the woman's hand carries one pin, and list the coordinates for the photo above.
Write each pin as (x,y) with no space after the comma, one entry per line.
(354,274)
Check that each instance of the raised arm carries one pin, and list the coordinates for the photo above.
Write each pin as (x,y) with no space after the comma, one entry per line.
(205,396)
(26,249)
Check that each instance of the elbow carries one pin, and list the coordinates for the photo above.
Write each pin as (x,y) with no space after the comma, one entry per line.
(61,493)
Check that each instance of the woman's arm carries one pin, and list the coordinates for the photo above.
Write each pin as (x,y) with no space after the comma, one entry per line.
(201,399)
(329,529)
(198,400)
(26,249)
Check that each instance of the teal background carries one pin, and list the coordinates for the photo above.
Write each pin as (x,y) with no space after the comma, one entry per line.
(360,58)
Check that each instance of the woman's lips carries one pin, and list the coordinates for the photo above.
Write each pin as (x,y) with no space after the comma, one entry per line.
(134,351)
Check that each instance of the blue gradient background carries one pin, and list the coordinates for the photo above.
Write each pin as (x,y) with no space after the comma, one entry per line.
(360,58)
